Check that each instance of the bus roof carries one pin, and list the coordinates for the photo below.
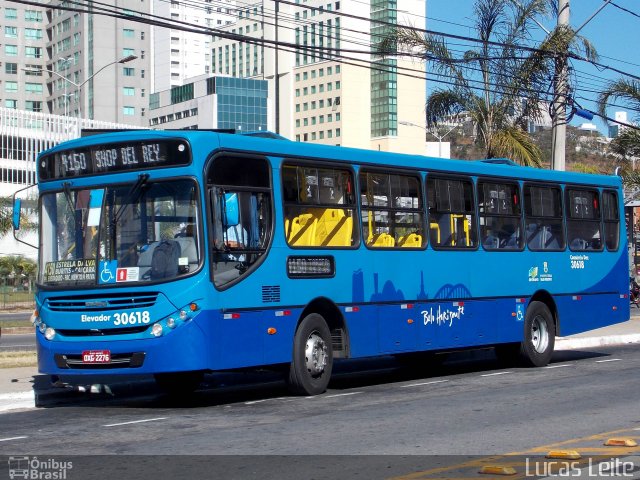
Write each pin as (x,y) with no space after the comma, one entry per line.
(268,143)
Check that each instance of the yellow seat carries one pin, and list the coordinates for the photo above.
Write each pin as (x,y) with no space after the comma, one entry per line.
(382,240)
(334,229)
(412,240)
(301,231)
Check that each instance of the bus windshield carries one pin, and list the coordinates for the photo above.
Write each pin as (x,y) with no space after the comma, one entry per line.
(136,233)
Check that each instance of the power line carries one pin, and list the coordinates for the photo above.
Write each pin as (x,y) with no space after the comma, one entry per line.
(163,22)
(625,10)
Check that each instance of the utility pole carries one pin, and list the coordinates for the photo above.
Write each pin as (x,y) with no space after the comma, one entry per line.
(277,75)
(559,125)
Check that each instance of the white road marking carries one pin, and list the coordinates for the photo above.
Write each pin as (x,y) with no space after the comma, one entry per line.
(135,421)
(342,394)
(18,346)
(494,374)
(11,438)
(559,366)
(424,383)
(251,402)
(609,360)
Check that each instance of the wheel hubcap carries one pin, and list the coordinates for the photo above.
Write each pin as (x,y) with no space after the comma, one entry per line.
(315,354)
(539,334)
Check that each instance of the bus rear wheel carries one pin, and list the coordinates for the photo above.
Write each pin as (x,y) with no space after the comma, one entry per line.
(537,346)
(312,363)
(179,383)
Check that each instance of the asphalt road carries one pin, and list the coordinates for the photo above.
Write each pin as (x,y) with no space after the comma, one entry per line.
(386,420)
(18,342)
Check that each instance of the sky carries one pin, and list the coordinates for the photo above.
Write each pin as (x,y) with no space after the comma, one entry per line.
(614,33)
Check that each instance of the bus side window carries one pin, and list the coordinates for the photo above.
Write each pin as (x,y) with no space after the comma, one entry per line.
(500,215)
(583,219)
(451,212)
(611,219)
(543,217)
(392,210)
(319,207)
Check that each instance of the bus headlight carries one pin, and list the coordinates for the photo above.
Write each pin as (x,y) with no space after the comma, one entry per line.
(49,333)
(171,322)
(42,327)
(183,315)
(156,330)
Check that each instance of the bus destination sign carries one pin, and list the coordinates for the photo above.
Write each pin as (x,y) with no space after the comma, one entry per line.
(112,158)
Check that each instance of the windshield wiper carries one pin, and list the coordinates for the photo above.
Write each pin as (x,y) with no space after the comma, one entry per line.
(66,186)
(132,196)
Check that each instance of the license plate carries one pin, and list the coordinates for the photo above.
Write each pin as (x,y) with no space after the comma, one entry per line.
(96,356)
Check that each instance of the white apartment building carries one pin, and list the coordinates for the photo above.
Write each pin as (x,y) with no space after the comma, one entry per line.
(179,55)
(66,62)
(96,75)
(330,87)
(22,57)
(23,135)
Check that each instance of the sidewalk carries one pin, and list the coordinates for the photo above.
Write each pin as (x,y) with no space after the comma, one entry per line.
(17,385)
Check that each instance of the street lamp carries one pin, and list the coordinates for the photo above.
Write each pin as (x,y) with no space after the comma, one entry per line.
(79,86)
(439,137)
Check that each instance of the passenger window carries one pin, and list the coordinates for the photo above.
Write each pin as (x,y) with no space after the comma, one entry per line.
(451,213)
(583,220)
(241,209)
(500,223)
(611,218)
(392,214)
(319,207)
(543,218)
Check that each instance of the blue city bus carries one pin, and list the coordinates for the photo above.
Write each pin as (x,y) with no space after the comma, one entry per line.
(176,253)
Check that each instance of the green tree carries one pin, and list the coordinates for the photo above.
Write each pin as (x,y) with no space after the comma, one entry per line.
(28,222)
(627,144)
(499,85)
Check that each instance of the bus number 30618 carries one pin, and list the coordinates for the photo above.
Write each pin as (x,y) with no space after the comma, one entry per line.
(133,318)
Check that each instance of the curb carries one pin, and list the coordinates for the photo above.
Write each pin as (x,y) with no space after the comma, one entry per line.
(564,343)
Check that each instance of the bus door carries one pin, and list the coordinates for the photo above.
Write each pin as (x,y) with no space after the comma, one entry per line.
(240,205)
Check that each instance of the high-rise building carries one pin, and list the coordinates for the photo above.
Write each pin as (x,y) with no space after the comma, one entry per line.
(99,65)
(22,57)
(616,129)
(179,54)
(212,102)
(327,83)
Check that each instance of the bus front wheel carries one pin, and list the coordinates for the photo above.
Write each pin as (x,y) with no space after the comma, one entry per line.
(536,348)
(312,362)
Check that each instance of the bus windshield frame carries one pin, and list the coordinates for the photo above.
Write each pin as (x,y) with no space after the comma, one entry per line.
(137,233)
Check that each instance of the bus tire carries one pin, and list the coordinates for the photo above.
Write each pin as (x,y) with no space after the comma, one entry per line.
(312,363)
(179,383)
(537,346)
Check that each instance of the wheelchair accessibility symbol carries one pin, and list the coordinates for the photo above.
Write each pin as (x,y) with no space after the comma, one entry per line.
(108,271)
(519,312)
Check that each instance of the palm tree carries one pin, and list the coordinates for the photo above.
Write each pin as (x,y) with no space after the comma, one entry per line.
(28,223)
(499,85)
(627,144)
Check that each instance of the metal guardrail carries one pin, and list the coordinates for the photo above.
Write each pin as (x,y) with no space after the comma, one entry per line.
(16,295)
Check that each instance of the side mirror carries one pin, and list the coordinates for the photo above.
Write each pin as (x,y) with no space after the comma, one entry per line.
(17,206)
(231,214)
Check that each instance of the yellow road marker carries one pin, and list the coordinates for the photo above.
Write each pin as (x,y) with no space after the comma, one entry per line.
(621,442)
(564,454)
(497,470)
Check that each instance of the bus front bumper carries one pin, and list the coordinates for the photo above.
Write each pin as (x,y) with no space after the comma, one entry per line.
(182,349)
